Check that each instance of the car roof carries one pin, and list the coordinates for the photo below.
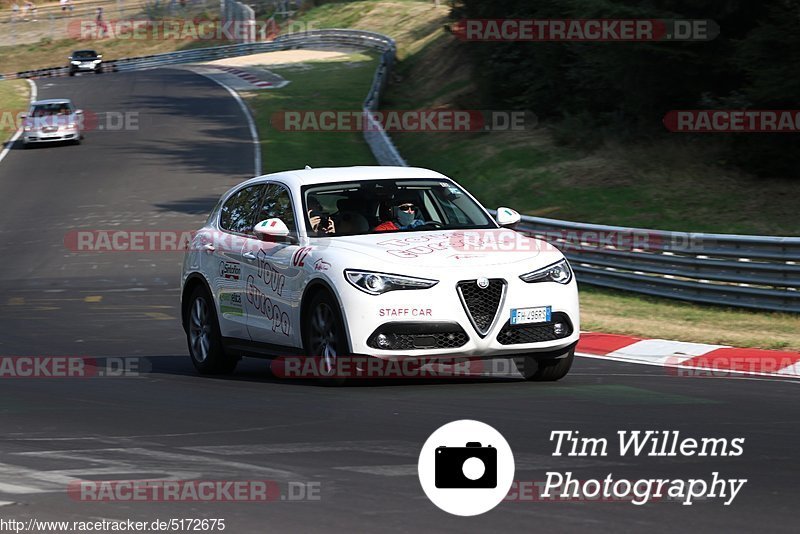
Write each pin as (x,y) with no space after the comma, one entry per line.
(85,50)
(325,175)
(52,101)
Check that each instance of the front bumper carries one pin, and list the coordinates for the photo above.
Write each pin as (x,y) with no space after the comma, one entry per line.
(50,137)
(427,322)
(86,67)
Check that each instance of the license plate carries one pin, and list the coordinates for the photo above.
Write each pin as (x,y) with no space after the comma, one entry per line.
(530,315)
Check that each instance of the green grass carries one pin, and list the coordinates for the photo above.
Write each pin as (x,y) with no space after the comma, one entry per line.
(14,97)
(335,85)
(618,312)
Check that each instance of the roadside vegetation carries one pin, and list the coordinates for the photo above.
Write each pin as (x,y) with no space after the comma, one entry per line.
(321,85)
(563,168)
(14,98)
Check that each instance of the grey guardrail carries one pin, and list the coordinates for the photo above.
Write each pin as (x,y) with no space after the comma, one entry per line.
(737,270)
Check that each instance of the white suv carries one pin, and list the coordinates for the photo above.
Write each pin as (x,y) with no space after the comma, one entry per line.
(385,262)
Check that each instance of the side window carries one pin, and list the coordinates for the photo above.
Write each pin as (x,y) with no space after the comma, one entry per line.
(277,204)
(239,212)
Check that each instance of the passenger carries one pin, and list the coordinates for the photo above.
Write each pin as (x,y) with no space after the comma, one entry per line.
(404,216)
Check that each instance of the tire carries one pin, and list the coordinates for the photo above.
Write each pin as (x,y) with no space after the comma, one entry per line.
(203,336)
(324,336)
(545,370)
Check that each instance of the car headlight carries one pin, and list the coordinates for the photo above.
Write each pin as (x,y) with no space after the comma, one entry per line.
(97,61)
(75,62)
(378,283)
(559,272)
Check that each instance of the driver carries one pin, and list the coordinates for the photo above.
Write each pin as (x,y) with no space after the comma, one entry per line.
(404,216)
(315,213)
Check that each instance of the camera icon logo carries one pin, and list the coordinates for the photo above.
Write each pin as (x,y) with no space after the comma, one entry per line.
(472,466)
(466,467)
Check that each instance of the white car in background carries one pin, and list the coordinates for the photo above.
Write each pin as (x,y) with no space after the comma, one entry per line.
(53,120)
(304,262)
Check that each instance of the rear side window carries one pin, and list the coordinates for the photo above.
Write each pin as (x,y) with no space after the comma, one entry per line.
(277,204)
(239,212)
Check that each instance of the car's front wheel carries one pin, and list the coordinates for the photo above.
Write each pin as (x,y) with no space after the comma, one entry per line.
(324,337)
(545,369)
(203,335)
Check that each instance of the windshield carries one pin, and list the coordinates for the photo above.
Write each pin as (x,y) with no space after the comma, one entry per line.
(84,54)
(384,206)
(46,110)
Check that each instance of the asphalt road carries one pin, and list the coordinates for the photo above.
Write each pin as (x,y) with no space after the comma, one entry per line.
(357,446)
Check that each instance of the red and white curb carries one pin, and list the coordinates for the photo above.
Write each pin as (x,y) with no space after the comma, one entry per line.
(688,359)
(250,78)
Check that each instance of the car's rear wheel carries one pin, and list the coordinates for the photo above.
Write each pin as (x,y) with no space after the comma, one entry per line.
(324,337)
(203,336)
(545,369)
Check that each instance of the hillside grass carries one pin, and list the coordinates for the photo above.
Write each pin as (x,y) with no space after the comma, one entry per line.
(669,184)
(14,98)
(330,85)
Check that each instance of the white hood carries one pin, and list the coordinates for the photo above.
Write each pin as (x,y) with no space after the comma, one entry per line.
(445,248)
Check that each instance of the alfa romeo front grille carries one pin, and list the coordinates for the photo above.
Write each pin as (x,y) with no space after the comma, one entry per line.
(482,304)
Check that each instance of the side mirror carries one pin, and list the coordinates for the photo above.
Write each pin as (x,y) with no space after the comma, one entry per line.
(78,112)
(99,56)
(269,229)
(23,115)
(507,216)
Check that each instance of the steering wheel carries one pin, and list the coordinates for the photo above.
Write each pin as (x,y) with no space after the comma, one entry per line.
(434,224)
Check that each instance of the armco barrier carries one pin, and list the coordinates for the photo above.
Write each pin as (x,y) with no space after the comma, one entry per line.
(737,270)
(748,271)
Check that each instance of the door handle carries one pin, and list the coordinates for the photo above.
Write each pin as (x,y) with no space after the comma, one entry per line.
(249,256)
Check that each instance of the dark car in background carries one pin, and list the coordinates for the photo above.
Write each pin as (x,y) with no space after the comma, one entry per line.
(85,61)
